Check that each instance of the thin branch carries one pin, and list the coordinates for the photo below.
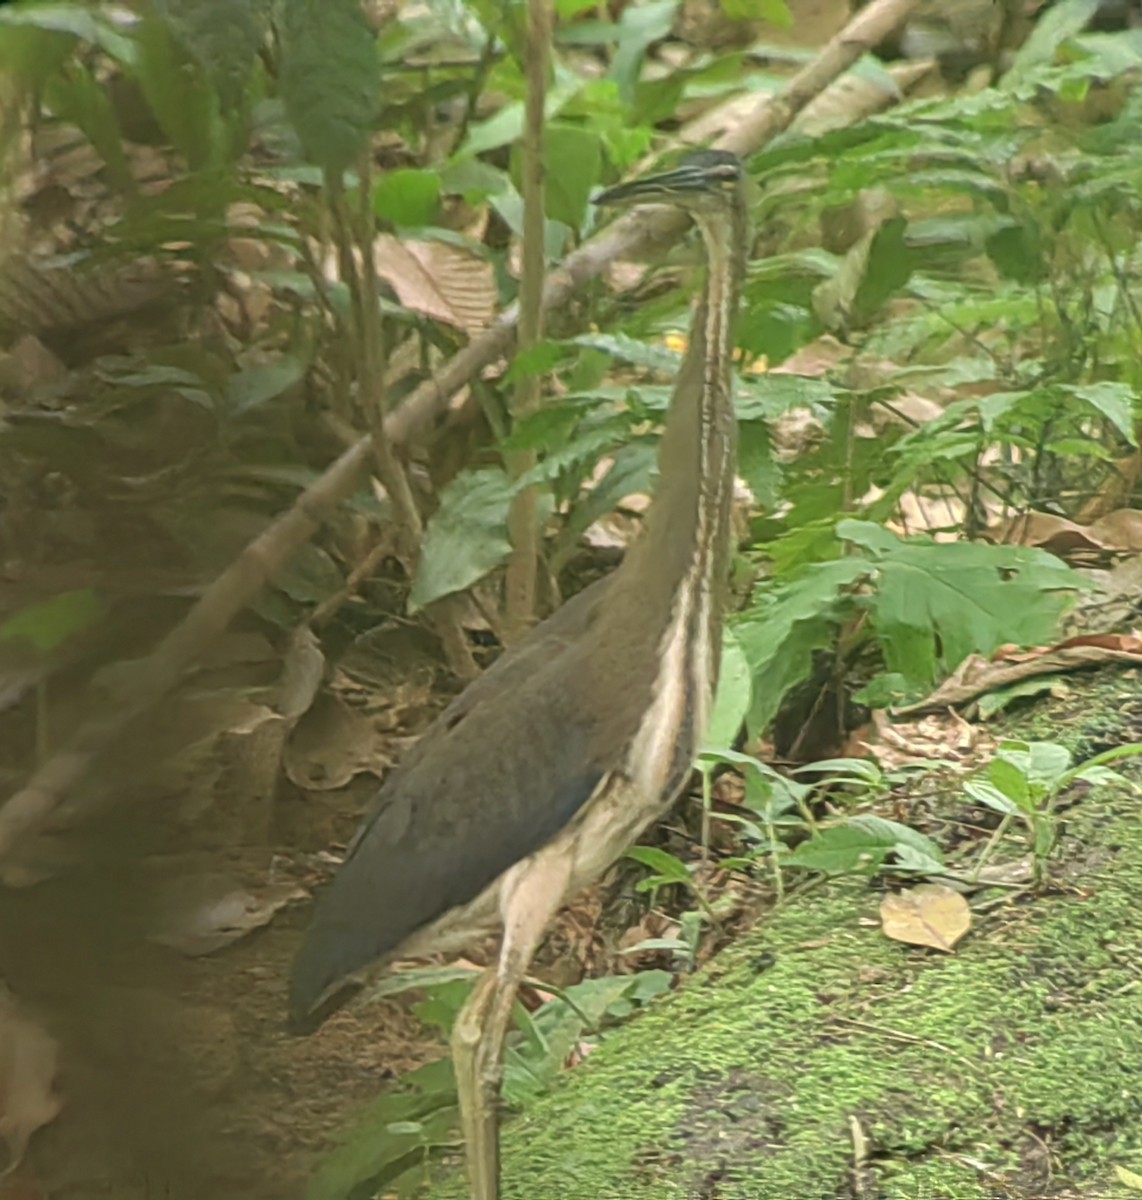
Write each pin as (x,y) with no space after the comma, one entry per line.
(632,234)
(523,515)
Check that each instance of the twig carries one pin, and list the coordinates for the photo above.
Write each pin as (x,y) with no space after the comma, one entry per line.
(632,234)
(523,515)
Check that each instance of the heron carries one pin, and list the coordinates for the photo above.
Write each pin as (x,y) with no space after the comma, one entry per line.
(550,765)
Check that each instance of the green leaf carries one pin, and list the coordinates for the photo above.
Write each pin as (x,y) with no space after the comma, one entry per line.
(1017,251)
(330,79)
(841,850)
(775,12)
(630,472)
(1117,402)
(75,95)
(631,350)
(936,604)
(756,463)
(995,701)
(407,198)
(223,36)
(184,103)
(732,700)
(861,845)
(887,270)
(573,161)
(256,386)
(763,397)
(790,623)
(1057,23)
(1010,781)
(989,796)
(1129,1179)
(425,1098)
(35,39)
(667,867)
(51,622)
(536,359)
(466,536)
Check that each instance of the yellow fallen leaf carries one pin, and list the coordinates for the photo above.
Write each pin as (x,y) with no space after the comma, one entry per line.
(1130,1179)
(930,914)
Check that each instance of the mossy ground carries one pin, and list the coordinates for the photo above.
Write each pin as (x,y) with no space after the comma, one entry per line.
(1011,1068)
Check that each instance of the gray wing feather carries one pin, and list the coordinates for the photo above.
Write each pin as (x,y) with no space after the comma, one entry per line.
(463,807)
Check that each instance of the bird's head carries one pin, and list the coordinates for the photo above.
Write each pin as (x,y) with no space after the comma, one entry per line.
(706,181)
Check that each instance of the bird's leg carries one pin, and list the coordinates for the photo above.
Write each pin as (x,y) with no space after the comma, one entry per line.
(530,896)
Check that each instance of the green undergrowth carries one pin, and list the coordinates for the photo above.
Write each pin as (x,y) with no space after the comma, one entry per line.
(1010,1068)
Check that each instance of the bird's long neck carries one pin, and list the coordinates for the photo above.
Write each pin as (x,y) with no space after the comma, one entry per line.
(667,603)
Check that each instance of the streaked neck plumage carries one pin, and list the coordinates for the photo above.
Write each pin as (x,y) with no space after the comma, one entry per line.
(670,589)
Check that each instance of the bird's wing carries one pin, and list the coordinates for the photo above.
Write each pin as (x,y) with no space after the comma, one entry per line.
(501,771)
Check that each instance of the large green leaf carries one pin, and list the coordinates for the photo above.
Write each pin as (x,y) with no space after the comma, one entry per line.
(735,691)
(860,846)
(934,604)
(573,158)
(466,538)
(223,36)
(330,79)
(1117,402)
(184,103)
(792,622)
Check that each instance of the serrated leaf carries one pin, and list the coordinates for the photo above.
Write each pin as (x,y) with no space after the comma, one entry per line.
(1057,23)
(631,350)
(330,79)
(763,397)
(935,604)
(466,537)
(1117,402)
(756,463)
(790,623)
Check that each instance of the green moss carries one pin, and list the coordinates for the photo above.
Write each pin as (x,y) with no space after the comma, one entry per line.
(1013,1067)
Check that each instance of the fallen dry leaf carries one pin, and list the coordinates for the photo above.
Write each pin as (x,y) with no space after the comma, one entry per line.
(331,745)
(1118,532)
(930,914)
(29,1059)
(201,912)
(441,281)
(977,675)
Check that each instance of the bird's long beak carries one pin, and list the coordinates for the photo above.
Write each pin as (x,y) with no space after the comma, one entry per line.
(651,189)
